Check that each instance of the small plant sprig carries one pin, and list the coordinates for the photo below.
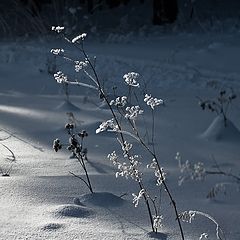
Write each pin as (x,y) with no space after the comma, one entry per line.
(76,147)
(199,172)
(11,160)
(220,105)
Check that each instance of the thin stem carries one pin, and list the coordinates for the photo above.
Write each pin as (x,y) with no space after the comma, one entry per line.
(12,153)
(153,131)
(223,173)
(79,178)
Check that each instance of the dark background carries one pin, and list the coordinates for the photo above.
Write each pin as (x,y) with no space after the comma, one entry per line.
(33,17)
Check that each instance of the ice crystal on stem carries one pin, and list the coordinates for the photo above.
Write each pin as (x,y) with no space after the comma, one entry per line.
(79,37)
(190,171)
(119,101)
(57,29)
(60,77)
(133,112)
(57,51)
(159,173)
(131,79)
(188,216)
(137,198)
(157,222)
(125,170)
(107,124)
(126,147)
(152,102)
(203,236)
(79,65)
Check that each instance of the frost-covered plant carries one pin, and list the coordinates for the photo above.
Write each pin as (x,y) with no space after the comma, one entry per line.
(190,215)
(60,77)
(126,112)
(219,105)
(198,172)
(190,171)
(76,147)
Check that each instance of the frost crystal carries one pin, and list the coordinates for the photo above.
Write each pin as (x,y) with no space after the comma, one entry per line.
(113,157)
(131,79)
(190,171)
(57,29)
(119,101)
(159,173)
(126,147)
(136,198)
(203,235)
(79,37)
(157,221)
(188,216)
(107,124)
(125,170)
(60,77)
(57,51)
(152,102)
(133,112)
(79,65)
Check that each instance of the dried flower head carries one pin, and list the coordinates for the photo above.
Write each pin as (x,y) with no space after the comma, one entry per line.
(60,77)
(131,79)
(57,51)
(57,29)
(152,102)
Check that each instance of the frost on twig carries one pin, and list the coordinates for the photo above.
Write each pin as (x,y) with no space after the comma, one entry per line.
(136,198)
(199,172)
(189,216)
(190,171)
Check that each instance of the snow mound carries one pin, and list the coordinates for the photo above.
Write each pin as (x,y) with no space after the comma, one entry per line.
(103,199)
(67,106)
(51,226)
(72,210)
(217,131)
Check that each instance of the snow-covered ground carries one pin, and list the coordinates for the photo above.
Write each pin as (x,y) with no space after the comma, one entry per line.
(41,200)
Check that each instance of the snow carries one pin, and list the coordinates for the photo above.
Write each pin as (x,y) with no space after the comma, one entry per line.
(217,131)
(41,200)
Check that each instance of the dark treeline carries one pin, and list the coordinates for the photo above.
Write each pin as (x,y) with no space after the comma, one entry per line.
(163,11)
(29,17)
